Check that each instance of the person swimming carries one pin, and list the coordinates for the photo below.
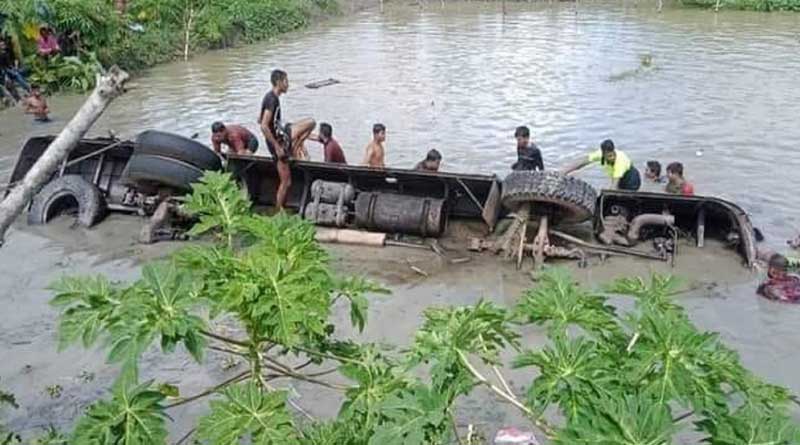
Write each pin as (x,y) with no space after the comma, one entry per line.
(780,284)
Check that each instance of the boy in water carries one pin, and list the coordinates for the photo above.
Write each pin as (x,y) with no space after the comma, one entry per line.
(653,172)
(36,105)
(529,157)
(375,152)
(677,183)
(781,285)
(431,162)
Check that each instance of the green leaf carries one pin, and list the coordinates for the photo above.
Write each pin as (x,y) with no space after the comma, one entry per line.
(248,413)
(412,416)
(619,420)
(750,425)
(133,416)
(88,304)
(557,302)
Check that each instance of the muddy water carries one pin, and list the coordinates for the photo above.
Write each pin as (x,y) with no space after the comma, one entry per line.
(720,96)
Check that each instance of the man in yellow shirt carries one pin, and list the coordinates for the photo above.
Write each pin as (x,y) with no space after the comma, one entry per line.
(617,165)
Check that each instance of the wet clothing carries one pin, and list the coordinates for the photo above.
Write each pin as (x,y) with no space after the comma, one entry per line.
(272,103)
(333,152)
(528,158)
(9,69)
(786,288)
(686,188)
(621,170)
(47,45)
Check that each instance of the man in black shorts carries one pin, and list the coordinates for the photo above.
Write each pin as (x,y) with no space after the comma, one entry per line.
(283,141)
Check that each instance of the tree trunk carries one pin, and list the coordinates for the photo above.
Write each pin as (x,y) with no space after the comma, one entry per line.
(187,34)
(109,86)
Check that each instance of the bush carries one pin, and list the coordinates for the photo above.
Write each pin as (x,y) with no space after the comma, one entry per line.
(749,5)
(59,73)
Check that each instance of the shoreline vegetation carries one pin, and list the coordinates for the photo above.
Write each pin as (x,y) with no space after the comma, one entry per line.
(139,34)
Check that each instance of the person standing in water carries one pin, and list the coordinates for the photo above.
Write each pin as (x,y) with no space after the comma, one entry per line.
(281,139)
(529,157)
(374,156)
(617,165)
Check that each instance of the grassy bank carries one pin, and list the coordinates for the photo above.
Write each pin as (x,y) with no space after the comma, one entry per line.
(745,5)
(136,34)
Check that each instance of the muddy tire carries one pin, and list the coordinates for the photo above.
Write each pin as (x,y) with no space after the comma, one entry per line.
(65,194)
(168,145)
(160,171)
(563,198)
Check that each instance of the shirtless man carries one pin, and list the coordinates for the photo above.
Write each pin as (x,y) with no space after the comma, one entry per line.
(281,139)
(375,152)
(36,105)
(239,139)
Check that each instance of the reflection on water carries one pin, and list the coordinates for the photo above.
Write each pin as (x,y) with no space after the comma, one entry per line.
(461,79)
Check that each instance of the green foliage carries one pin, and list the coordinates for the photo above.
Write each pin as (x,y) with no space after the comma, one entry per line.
(158,305)
(749,5)
(449,335)
(633,419)
(606,377)
(133,416)
(77,74)
(219,205)
(248,413)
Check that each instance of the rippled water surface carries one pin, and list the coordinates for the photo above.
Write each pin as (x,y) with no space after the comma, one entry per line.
(721,96)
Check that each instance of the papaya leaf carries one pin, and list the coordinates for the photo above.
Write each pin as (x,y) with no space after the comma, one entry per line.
(134,415)
(412,416)
(88,304)
(557,303)
(633,419)
(750,425)
(247,413)
(572,372)
(219,204)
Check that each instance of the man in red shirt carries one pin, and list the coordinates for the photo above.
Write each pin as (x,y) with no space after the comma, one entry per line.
(677,183)
(333,151)
(239,139)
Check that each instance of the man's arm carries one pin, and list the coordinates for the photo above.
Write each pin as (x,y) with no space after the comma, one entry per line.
(215,144)
(537,160)
(575,166)
(237,144)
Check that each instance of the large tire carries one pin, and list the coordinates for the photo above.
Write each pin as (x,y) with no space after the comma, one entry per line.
(563,198)
(159,143)
(66,193)
(160,171)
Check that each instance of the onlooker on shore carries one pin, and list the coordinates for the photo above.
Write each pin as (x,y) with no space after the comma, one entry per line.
(677,183)
(239,139)
(653,172)
(529,157)
(332,150)
(10,69)
(375,153)
(431,162)
(47,43)
(36,104)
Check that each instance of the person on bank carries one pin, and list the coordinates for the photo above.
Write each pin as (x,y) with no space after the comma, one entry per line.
(238,139)
(677,184)
(283,140)
(375,153)
(617,165)
(431,162)
(332,150)
(529,157)
(780,284)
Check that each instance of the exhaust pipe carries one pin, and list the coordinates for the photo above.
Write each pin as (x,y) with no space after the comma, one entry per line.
(648,219)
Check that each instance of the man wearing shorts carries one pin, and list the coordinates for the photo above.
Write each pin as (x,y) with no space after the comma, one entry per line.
(283,141)
(239,139)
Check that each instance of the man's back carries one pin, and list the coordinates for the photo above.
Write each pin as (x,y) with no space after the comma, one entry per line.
(334,153)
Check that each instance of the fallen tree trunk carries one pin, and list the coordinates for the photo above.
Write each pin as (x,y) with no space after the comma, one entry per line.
(109,86)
